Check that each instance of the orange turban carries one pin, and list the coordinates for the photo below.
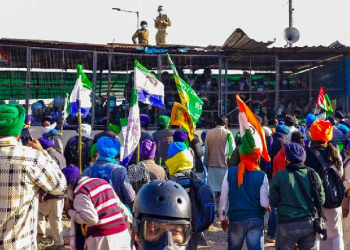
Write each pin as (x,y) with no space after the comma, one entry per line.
(321,131)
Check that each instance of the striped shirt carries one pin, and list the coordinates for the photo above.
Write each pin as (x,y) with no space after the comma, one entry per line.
(23,171)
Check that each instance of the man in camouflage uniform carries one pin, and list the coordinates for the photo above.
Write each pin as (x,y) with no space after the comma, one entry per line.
(141,35)
(161,23)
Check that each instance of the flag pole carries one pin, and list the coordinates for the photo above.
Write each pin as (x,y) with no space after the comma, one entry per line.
(138,153)
(80,148)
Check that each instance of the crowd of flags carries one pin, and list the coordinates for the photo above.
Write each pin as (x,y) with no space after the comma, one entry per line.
(149,90)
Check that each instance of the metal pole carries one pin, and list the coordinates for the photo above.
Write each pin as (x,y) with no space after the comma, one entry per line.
(28,79)
(226,85)
(109,84)
(94,76)
(80,143)
(277,84)
(220,88)
(138,20)
(346,97)
(159,69)
(310,88)
(290,17)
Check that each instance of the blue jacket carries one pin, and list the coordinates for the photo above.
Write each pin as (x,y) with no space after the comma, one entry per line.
(120,181)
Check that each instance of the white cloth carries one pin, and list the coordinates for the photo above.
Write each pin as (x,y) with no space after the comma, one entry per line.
(264,196)
(119,241)
(215,178)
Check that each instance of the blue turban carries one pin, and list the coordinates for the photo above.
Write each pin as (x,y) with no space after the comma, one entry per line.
(108,147)
(295,152)
(28,119)
(180,136)
(343,128)
(144,120)
(35,107)
(71,173)
(175,148)
(281,123)
(310,118)
(282,129)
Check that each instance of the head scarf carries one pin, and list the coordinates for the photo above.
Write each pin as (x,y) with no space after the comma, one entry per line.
(281,123)
(267,130)
(27,119)
(163,121)
(71,173)
(289,120)
(85,130)
(148,149)
(343,128)
(108,147)
(11,119)
(114,128)
(46,142)
(295,153)
(35,107)
(283,129)
(93,150)
(321,131)
(310,118)
(180,136)
(144,120)
(180,158)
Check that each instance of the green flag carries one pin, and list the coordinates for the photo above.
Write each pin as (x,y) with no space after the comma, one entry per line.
(188,96)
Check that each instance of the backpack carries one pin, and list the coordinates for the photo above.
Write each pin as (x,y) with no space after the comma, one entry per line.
(85,153)
(202,201)
(332,183)
(104,173)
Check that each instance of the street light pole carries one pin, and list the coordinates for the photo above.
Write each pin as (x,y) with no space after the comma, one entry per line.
(130,11)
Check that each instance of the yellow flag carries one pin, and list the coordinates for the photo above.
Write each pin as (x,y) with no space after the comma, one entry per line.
(181,117)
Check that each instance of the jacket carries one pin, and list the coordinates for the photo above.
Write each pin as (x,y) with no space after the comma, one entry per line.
(279,161)
(163,139)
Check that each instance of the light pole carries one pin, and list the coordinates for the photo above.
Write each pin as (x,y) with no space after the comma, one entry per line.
(130,11)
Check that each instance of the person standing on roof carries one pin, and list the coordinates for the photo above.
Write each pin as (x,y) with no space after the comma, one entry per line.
(161,23)
(141,34)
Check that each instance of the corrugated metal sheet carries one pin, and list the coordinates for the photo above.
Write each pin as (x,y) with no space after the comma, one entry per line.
(240,41)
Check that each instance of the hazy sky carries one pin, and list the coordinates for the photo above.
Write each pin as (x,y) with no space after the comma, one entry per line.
(194,22)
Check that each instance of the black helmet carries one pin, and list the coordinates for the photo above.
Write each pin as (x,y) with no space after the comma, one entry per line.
(144,23)
(162,214)
(165,199)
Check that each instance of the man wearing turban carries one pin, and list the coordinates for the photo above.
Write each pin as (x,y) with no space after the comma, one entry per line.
(146,170)
(108,151)
(163,138)
(49,131)
(23,171)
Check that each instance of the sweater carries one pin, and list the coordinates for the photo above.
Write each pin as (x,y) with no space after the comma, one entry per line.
(110,217)
(244,201)
(287,197)
(279,162)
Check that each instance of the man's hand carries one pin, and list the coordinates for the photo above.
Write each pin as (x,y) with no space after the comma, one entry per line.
(35,144)
(224,225)
(268,209)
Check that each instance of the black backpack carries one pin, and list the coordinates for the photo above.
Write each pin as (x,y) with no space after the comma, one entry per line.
(202,201)
(85,153)
(332,183)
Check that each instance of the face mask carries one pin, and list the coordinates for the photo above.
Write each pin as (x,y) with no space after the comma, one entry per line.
(241,86)
(170,103)
(160,12)
(144,26)
(284,82)
(266,83)
(209,82)
(49,128)
(260,89)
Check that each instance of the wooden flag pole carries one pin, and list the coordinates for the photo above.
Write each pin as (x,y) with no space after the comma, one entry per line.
(80,148)
(138,153)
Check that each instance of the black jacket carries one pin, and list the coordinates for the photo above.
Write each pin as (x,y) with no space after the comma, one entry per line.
(312,161)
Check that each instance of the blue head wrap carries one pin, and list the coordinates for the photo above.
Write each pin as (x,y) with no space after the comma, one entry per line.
(108,147)
(282,129)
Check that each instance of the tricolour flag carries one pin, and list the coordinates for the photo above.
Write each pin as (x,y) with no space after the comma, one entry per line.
(149,89)
(181,117)
(133,131)
(3,56)
(80,100)
(66,108)
(188,96)
(324,101)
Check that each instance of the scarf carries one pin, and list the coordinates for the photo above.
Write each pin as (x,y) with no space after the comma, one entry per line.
(333,154)
(248,162)
(102,158)
(139,173)
(182,161)
(295,166)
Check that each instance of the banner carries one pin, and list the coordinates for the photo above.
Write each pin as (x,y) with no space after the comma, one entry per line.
(181,117)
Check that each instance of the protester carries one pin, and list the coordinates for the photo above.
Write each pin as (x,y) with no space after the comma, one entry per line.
(245,188)
(108,168)
(111,131)
(218,144)
(295,219)
(146,170)
(141,35)
(182,136)
(163,138)
(25,134)
(346,203)
(50,132)
(279,162)
(162,213)
(338,136)
(161,23)
(205,169)
(340,118)
(290,123)
(321,134)
(96,206)
(310,118)
(94,154)
(23,171)
(71,149)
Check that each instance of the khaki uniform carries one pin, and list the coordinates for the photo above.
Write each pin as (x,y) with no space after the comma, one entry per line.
(161,23)
(142,37)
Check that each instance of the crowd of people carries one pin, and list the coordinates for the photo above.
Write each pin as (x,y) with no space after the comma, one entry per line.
(174,187)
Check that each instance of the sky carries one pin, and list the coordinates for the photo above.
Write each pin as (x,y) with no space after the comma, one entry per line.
(194,22)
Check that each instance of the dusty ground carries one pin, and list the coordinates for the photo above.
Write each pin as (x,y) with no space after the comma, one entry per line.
(216,238)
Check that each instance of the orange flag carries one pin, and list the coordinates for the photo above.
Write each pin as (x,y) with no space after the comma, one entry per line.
(181,117)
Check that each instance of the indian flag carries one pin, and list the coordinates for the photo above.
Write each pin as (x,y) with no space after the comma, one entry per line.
(188,96)
(324,101)
(80,100)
